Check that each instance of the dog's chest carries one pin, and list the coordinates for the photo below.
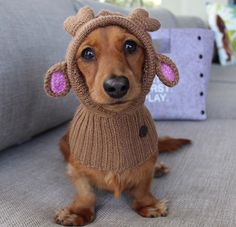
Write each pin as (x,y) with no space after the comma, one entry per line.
(112,143)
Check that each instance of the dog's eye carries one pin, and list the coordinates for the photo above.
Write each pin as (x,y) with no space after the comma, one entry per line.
(130,46)
(88,54)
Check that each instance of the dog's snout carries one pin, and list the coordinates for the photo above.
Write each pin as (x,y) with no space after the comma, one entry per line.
(116,86)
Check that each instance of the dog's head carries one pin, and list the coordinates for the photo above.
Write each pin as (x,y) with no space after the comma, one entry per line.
(110,62)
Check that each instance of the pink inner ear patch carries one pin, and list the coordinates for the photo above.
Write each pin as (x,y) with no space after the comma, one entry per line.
(167,72)
(58,82)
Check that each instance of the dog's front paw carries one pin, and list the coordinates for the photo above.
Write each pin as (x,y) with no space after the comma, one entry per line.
(161,169)
(158,209)
(81,217)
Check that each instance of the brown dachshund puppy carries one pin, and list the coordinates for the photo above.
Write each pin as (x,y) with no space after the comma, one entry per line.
(113,51)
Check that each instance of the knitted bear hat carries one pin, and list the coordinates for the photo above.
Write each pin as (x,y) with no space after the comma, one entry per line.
(64,75)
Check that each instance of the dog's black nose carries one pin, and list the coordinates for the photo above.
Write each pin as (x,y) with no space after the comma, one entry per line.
(116,86)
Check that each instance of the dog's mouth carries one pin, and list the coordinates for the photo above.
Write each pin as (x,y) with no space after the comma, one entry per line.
(117,106)
(118,103)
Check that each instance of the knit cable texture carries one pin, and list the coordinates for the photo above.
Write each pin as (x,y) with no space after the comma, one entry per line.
(115,143)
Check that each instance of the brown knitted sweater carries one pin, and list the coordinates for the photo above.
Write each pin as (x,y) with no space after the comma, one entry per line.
(112,143)
(100,138)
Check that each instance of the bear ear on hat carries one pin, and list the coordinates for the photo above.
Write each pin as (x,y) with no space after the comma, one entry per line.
(141,17)
(56,81)
(72,23)
(166,70)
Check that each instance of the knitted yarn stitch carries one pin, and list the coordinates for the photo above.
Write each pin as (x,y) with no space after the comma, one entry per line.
(100,138)
(115,143)
(103,20)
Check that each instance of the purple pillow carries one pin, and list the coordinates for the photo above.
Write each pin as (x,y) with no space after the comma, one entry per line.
(191,50)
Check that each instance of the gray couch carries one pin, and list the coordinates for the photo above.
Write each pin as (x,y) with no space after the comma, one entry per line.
(201,187)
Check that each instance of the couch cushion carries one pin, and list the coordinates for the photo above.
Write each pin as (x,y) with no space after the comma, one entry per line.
(222,93)
(223,74)
(191,22)
(167,18)
(221,101)
(32,38)
(97,6)
(200,187)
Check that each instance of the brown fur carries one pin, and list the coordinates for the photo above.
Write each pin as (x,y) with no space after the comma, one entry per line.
(111,60)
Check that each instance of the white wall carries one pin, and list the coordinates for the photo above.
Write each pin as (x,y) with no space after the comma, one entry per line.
(189,7)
